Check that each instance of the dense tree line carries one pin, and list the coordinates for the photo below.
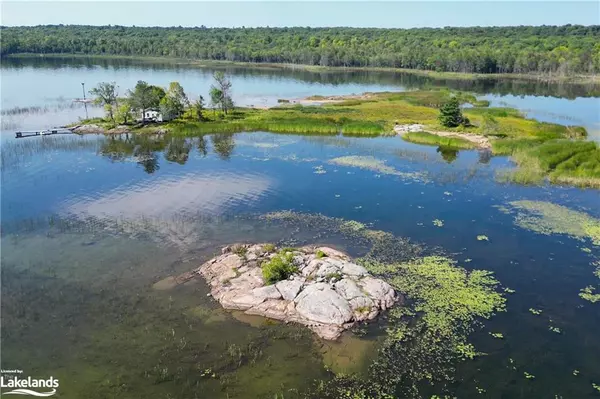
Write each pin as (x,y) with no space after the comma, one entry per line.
(524,49)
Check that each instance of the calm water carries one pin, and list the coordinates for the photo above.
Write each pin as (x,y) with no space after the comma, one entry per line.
(89,224)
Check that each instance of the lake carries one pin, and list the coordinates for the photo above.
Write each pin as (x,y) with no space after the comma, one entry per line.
(90,224)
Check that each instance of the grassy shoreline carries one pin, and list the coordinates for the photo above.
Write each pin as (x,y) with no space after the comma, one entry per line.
(580,78)
(542,151)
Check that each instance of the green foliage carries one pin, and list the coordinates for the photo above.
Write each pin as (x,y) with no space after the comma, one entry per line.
(434,139)
(145,96)
(173,104)
(268,248)
(451,115)
(220,92)
(123,114)
(320,254)
(438,223)
(198,107)
(523,49)
(563,161)
(510,146)
(106,95)
(280,267)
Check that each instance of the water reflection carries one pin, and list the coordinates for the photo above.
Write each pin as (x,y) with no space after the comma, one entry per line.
(449,154)
(223,145)
(145,149)
(331,77)
(170,195)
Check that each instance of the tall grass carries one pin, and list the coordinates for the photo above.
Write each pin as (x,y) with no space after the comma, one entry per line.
(562,161)
(433,139)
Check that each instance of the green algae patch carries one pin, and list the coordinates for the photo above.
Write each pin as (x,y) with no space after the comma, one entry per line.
(448,296)
(375,165)
(589,294)
(428,335)
(548,218)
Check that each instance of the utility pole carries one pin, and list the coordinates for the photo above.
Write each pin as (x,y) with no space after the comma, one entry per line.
(84,102)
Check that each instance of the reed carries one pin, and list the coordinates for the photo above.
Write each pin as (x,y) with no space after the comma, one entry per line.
(433,139)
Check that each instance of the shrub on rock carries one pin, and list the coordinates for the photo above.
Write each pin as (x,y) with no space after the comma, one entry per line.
(280,267)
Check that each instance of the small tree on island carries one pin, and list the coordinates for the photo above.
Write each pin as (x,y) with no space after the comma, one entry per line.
(106,95)
(220,92)
(451,115)
(174,102)
(199,108)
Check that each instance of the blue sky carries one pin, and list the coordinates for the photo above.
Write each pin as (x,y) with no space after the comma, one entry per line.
(301,13)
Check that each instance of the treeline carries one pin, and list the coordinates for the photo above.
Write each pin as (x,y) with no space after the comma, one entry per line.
(525,49)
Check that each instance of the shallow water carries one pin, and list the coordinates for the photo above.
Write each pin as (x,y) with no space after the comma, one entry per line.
(90,224)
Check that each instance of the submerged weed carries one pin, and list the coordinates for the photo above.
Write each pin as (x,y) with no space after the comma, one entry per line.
(588,294)
(548,218)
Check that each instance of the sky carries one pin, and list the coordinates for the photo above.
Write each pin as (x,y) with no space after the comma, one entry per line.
(384,14)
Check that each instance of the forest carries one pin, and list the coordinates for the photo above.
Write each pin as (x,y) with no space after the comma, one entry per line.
(557,50)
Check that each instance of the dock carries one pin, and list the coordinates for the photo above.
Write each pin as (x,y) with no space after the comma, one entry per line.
(44,132)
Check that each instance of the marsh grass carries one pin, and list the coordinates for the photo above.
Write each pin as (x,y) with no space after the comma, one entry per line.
(561,161)
(433,139)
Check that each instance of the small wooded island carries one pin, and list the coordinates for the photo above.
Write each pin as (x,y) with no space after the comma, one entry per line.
(449,119)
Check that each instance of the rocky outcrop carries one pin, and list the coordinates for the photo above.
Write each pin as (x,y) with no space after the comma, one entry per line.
(87,129)
(327,292)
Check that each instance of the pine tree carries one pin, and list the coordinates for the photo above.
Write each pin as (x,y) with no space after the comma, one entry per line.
(450,114)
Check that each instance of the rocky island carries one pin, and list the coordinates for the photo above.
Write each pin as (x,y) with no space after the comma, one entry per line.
(318,287)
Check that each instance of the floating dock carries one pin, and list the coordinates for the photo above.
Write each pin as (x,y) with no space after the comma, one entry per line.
(45,132)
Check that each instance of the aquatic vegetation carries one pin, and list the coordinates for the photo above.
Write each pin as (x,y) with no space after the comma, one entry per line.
(280,267)
(509,290)
(596,386)
(588,294)
(438,222)
(497,335)
(375,165)
(575,372)
(529,376)
(352,227)
(319,170)
(561,161)
(536,312)
(586,250)
(482,237)
(554,329)
(548,218)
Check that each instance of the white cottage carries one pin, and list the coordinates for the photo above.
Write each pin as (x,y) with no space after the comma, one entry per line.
(153,115)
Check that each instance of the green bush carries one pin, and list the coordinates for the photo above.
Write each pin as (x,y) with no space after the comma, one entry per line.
(451,115)
(280,267)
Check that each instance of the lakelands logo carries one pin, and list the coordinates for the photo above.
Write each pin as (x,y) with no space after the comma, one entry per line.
(12,383)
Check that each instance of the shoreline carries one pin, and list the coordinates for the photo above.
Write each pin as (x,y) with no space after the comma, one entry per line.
(200,63)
